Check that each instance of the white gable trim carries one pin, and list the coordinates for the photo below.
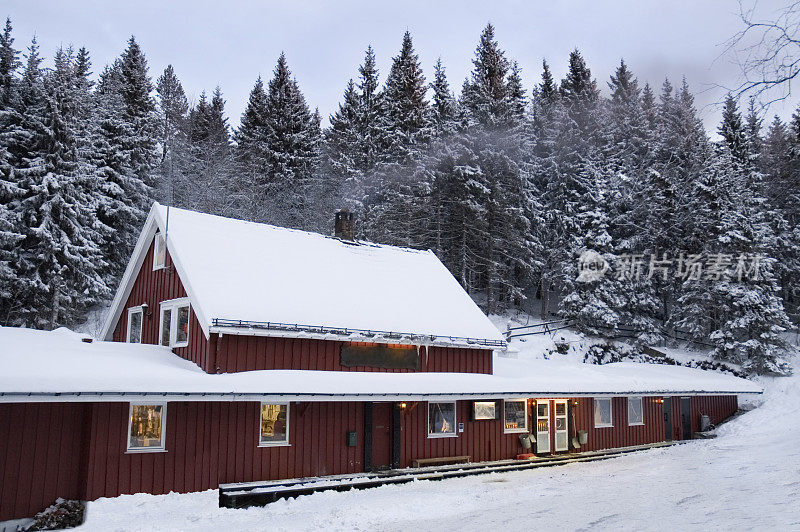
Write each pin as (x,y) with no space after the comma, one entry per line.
(152,224)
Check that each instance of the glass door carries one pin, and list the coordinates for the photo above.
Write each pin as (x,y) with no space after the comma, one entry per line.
(542,426)
(562,432)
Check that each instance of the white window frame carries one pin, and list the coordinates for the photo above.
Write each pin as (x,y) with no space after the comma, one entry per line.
(131,312)
(159,242)
(453,434)
(284,443)
(525,409)
(161,448)
(610,412)
(641,410)
(173,305)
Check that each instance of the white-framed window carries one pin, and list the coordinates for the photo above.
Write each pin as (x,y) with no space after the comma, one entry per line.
(160,252)
(174,323)
(147,423)
(135,317)
(515,415)
(635,411)
(273,425)
(442,420)
(602,413)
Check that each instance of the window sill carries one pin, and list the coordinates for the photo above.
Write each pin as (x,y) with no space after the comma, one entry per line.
(636,424)
(156,268)
(145,450)
(515,431)
(276,444)
(177,346)
(604,426)
(454,435)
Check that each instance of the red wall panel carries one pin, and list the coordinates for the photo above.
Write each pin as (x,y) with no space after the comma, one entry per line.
(40,456)
(212,443)
(481,440)
(235,353)
(153,287)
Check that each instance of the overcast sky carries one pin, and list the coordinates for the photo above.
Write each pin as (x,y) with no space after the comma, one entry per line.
(229,43)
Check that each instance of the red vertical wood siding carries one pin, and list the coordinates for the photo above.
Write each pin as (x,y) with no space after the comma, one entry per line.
(78,450)
(247,353)
(212,443)
(481,440)
(153,287)
(620,434)
(40,456)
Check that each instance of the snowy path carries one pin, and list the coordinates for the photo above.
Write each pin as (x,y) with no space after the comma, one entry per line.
(747,479)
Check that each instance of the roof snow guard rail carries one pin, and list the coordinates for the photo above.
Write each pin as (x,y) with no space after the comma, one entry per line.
(346,331)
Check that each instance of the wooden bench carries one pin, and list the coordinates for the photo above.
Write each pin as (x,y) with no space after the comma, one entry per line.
(419,462)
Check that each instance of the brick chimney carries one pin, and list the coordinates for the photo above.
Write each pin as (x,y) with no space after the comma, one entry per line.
(344,225)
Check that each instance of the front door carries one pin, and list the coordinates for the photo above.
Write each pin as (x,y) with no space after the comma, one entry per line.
(686,417)
(668,419)
(381,435)
(542,426)
(561,430)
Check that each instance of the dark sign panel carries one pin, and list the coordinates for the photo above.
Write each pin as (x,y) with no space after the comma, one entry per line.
(380,356)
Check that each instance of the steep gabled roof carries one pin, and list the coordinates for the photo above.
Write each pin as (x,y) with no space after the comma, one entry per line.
(249,278)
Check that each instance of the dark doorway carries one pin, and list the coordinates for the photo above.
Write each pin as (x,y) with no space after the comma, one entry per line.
(686,418)
(381,435)
(668,419)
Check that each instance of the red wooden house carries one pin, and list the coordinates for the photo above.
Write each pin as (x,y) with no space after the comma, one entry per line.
(238,352)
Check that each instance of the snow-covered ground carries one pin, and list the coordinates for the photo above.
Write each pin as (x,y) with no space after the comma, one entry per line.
(746,479)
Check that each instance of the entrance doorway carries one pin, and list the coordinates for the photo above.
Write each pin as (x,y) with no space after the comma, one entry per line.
(381,435)
(542,426)
(668,419)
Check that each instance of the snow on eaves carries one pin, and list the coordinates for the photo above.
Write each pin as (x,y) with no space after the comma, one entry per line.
(236,270)
(38,365)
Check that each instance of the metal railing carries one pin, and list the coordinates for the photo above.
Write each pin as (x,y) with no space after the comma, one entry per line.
(347,331)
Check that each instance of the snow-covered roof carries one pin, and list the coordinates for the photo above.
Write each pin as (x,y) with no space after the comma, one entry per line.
(59,366)
(241,276)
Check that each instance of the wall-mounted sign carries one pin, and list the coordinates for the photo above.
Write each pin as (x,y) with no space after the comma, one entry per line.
(461,427)
(483,410)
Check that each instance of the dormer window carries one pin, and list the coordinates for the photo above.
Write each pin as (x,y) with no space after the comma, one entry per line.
(160,252)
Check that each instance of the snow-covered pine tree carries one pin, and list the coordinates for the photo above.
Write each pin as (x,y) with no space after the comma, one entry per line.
(732,130)
(292,147)
(59,261)
(173,110)
(207,164)
(136,89)
(10,225)
(444,108)
(394,208)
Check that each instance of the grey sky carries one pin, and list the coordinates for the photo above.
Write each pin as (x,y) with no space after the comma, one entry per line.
(231,43)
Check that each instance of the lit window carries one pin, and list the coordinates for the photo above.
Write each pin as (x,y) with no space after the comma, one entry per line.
(274,425)
(515,415)
(134,335)
(441,420)
(146,427)
(635,412)
(602,413)
(175,323)
(160,252)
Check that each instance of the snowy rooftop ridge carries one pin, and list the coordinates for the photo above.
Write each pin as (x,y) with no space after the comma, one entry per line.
(234,270)
(59,366)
